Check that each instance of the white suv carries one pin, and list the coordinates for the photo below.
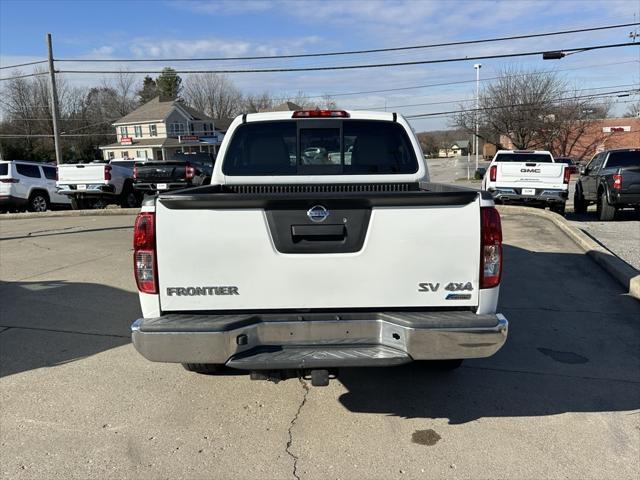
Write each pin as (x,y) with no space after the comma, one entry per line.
(29,186)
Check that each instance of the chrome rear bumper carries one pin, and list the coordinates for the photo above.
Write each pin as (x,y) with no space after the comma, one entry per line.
(271,341)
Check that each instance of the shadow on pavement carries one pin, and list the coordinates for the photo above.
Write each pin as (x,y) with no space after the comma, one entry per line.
(573,346)
(626,215)
(48,323)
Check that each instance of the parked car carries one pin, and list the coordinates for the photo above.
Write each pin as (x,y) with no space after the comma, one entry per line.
(611,180)
(571,165)
(97,184)
(152,176)
(29,186)
(316,267)
(528,177)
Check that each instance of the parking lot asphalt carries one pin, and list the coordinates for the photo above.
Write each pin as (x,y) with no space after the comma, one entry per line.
(560,400)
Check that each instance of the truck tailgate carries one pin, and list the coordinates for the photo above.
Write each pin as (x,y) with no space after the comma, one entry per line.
(161,172)
(364,255)
(539,174)
(81,173)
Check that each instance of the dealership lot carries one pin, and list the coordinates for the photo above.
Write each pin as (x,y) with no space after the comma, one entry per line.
(561,399)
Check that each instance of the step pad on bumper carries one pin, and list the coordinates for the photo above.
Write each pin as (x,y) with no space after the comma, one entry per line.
(318,357)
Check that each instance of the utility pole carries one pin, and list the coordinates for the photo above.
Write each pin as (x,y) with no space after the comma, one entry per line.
(477,66)
(54,102)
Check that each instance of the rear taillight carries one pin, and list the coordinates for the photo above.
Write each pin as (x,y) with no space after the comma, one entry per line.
(144,253)
(493,173)
(135,172)
(10,180)
(617,181)
(567,175)
(491,247)
(107,172)
(189,172)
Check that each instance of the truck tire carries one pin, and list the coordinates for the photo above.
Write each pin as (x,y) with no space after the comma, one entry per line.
(579,203)
(128,197)
(38,202)
(204,368)
(606,212)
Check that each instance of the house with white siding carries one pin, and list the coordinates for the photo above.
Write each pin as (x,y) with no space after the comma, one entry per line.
(159,129)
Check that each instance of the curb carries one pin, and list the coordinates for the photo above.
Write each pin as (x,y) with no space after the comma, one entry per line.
(620,270)
(70,213)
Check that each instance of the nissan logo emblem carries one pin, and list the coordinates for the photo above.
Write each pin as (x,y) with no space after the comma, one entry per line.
(317,213)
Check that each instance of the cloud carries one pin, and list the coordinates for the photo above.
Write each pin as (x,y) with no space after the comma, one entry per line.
(156,48)
(224,7)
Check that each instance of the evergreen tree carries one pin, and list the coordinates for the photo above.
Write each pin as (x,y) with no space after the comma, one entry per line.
(148,91)
(169,84)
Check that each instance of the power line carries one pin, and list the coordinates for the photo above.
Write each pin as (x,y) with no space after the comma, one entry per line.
(517,105)
(23,64)
(24,76)
(353,67)
(459,82)
(473,99)
(356,52)
(409,117)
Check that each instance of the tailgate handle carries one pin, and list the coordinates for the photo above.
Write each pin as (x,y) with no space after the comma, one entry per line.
(530,164)
(318,233)
(79,166)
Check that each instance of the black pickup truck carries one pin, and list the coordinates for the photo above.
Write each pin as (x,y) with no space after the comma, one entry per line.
(611,180)
(152,176)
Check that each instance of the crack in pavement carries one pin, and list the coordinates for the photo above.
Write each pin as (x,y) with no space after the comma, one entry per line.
(73,332)
(305,386)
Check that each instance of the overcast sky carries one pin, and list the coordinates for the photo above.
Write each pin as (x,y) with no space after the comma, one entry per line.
(158,29)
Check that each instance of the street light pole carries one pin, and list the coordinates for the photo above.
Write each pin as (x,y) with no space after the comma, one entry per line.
(477,66)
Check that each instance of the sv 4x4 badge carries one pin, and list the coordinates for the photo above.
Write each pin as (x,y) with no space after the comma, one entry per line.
(449,287)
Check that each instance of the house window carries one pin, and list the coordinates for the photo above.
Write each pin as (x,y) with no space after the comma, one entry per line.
(191,128)
(153,131)
(124,132)
(125,154)
(176,128)
(112,155)
(206,128)
(137,131)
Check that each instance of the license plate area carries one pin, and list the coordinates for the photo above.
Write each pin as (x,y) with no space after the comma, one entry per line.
(528,191)
(162,186)
(81,187)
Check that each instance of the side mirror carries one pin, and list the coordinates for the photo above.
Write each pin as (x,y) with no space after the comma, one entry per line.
(583,170)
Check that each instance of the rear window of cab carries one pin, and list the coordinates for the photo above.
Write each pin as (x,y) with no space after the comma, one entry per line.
(630,158)
(524,157)
(320,147)
(4,169)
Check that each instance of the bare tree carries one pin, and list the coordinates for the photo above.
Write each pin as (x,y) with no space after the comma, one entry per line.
(213,94)
(258,103)
(536,110)
(569,130)
(123,84)
(633,110)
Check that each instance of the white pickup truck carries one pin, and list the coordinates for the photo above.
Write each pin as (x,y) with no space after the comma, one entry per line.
(96,184)
(530,177)
(308,267)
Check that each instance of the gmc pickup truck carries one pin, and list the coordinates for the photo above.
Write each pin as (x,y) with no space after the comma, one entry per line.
(310,266)
(611,180)
(97,184)
(529,177)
